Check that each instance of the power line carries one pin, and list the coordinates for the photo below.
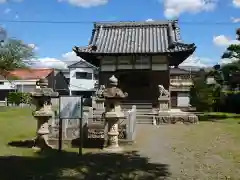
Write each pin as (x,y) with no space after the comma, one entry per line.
(62,60)
(92,22)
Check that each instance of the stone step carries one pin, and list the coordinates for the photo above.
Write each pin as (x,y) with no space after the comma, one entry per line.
(144,122)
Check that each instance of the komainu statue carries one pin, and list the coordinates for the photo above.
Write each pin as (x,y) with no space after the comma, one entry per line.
(163,92)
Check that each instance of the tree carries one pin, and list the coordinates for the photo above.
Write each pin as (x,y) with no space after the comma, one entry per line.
(229,70)
(201,94)
(13,52)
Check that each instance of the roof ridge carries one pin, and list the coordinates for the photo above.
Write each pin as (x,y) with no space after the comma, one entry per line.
(133,23)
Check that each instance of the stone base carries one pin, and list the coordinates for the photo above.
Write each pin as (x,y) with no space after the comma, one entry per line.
(175,116)
(117,149)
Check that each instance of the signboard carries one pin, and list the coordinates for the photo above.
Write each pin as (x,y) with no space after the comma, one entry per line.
(70,107)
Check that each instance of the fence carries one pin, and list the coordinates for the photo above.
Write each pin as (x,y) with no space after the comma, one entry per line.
(70,127)
(127,124)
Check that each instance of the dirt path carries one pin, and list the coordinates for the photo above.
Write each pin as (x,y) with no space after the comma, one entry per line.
(189,155)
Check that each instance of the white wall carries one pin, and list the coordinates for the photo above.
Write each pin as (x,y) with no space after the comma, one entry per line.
(183,99)
(81,84)
(14,83)
(6,85)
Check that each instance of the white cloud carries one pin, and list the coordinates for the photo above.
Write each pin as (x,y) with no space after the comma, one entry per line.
(49,63)
(4,1)
(173,8)
(236,3)
(7,11)
(198,62)
(16,16)
(223,41)
(85,3)
(62,63)
(235,20)
(33,46)
(149,20)
(227,60)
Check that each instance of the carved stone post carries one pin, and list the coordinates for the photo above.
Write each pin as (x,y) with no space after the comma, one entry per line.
(43,113)
(98,100)
(113,113)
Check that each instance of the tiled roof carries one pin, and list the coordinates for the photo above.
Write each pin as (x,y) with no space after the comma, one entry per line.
(27,74)
(178,71)
(135,37)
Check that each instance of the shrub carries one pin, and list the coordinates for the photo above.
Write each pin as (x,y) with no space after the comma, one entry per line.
(18,98)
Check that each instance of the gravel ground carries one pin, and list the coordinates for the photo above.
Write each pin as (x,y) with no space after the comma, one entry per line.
(199,152)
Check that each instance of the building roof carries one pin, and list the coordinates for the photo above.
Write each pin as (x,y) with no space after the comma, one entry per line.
(136,37)
(178,71)
(82,64)
(27,74)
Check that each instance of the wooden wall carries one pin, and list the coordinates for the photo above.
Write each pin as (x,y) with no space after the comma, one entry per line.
(138,76)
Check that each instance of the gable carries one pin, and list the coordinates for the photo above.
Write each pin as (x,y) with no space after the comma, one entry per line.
(82,64)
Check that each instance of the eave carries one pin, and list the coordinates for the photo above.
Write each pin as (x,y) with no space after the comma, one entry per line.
(175,57)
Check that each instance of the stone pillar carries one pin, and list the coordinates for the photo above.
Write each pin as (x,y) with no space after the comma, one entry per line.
(164,104)
(43,113)
(98,103)
(112,116)
(98,100)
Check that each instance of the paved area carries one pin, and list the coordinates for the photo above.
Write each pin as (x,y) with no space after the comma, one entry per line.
(188,158)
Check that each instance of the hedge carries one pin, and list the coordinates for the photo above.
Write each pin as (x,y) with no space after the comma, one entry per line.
(18,98)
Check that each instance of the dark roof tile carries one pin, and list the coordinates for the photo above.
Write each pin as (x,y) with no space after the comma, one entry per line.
(136,37)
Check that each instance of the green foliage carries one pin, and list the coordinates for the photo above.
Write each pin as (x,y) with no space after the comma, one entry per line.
(12,54)
(234,50)
(18,98)
(201,95)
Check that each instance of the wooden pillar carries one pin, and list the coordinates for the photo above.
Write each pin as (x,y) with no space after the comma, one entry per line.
(168,80)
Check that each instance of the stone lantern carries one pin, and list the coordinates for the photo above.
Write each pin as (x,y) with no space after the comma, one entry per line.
(43,113)
(113,112)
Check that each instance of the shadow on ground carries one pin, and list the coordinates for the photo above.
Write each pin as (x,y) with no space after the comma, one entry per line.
(69,166)
(91,143)
(23,144)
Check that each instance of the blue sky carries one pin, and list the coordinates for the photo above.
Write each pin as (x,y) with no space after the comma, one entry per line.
(52,41)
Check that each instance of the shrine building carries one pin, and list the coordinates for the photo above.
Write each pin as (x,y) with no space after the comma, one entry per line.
(139,54)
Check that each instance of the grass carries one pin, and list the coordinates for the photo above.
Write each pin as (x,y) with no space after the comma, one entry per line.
(200,144)
(214,146)
(16,124)
(23,163)
(213,116)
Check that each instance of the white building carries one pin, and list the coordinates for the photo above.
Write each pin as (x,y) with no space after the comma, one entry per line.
(82,78)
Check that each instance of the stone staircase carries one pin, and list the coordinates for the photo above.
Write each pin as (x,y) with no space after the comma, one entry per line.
(142,110)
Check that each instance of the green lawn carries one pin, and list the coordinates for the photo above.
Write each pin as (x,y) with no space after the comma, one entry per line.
(25,164)
(16,124)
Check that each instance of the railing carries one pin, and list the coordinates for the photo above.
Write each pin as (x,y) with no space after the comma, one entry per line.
(92,118)
(97,117)
(181,82)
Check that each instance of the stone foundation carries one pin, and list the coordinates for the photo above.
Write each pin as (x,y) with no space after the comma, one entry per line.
(173,117)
